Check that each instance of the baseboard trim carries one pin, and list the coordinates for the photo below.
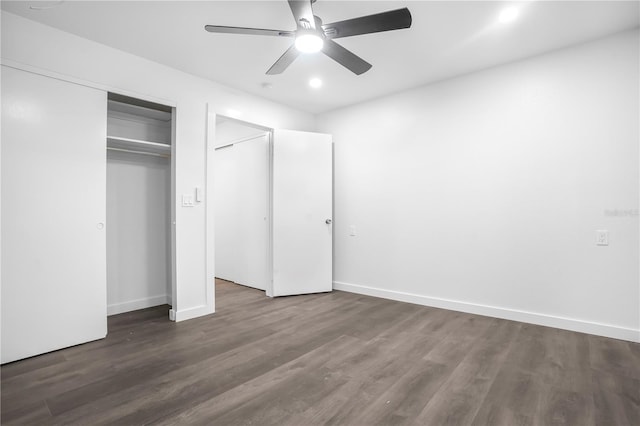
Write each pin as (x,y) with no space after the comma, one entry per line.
(187,314)
(493,311)
(134,305)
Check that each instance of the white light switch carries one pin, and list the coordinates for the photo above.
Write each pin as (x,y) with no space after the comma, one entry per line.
(352,230)
(187,200)
(602,237)
(199,194)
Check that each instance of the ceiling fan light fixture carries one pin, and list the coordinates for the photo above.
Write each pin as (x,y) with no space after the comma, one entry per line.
(309,43)
(311,35)
(315,83)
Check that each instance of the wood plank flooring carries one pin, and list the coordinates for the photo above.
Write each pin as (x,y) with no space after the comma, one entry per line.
(334,359)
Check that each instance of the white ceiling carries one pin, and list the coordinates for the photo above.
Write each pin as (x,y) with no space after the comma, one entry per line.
(447,38)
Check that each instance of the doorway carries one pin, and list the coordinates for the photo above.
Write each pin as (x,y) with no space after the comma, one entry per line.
(140,176)
(241,203)
(271,193)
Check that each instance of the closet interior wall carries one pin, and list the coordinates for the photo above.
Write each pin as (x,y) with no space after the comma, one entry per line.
(139,177)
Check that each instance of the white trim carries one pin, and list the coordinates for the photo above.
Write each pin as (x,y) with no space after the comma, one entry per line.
(269,289)
(92,84)
(209,213)
(572,324)
(134,305)
(174,206)
(187,314)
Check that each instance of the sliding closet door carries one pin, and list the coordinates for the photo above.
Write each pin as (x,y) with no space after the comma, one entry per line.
(225,213)
(241,200)
(252,212)
(53,214)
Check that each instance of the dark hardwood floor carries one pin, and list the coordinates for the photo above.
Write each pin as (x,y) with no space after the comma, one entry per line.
(335,358)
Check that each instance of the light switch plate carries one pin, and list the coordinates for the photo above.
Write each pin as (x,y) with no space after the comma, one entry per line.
(187,200)
(602,237)
(352,230)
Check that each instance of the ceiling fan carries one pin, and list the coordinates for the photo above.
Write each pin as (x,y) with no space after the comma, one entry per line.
(312,35)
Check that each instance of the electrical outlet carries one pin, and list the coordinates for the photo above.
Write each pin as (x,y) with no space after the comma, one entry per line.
(602,237)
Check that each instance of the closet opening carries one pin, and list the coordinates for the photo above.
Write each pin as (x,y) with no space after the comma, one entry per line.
(140,211)
(242,206)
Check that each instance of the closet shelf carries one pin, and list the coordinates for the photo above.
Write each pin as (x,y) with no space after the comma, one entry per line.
(140,146)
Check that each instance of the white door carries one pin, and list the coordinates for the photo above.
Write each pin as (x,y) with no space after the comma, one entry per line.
(302,212)
(241,202)
(225,213)
(53,214)
(252,184)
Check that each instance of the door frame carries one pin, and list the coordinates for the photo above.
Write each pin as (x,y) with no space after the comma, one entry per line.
(212,117)
(141,100)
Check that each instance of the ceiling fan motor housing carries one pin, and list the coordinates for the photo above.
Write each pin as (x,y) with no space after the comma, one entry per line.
(313,36)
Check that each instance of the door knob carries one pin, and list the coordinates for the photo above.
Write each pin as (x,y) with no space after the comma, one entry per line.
(328,221)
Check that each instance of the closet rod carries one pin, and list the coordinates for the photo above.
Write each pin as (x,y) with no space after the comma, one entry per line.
(139,152)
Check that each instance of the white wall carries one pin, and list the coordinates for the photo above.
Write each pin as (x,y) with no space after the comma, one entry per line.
(483,193)
(29,44)
(138,231)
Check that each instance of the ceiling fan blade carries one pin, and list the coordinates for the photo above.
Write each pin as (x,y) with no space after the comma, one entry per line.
(284,61)
(385,21)
(251,31)
(345,58)
(303,14)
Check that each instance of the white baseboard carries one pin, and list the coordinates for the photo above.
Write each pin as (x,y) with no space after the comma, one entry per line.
(134,305)
(187,314)
(496,312)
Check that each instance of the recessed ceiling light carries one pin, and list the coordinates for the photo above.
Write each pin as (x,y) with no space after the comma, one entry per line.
(309,43)
(508,15)
(316,83)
